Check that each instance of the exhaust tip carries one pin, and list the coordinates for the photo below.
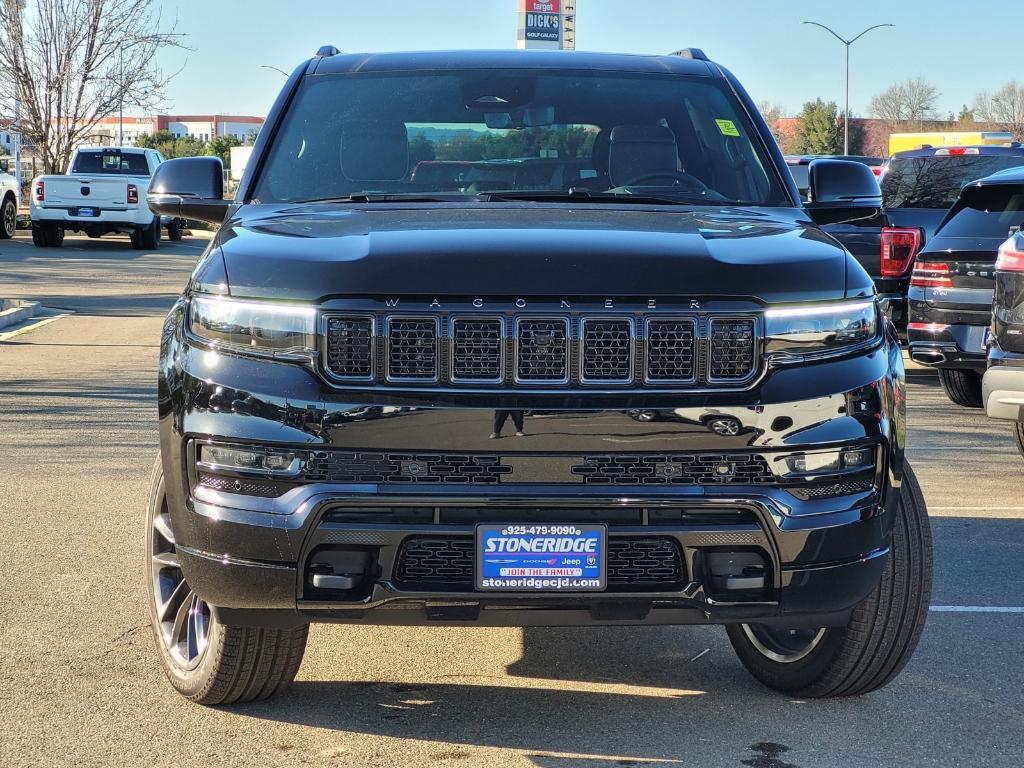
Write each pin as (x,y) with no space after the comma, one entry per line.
(928,358)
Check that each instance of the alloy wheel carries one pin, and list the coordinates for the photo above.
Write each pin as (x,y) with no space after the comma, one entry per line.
(185,621)
(783,645)
(10,221)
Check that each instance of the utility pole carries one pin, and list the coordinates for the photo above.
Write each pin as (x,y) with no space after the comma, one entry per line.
(847,43)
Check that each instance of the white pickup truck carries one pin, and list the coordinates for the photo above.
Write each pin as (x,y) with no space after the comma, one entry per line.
(103,191)
(8,201)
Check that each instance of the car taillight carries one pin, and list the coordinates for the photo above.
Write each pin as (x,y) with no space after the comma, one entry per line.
(899,247)
(931,274)
(40,189)
(1009,258)
(133,193)
(877,170)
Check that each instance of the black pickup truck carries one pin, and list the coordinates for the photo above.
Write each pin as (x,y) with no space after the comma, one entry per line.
(336,381)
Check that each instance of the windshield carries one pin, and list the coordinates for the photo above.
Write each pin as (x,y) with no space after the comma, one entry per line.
(477,133)
(111,161)
(935,182)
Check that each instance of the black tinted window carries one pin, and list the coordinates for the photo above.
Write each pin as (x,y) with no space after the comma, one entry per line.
(986,212)
(935,182)
(476,131)
(106,161)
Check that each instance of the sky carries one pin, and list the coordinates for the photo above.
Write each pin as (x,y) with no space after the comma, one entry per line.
(961,48)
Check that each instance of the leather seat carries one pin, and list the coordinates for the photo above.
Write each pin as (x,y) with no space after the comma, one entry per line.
(635,151)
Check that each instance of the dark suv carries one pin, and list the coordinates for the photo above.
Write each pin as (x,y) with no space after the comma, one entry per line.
(337,380)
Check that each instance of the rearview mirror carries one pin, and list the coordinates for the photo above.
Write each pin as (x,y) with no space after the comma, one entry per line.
(189,188)
(842,190)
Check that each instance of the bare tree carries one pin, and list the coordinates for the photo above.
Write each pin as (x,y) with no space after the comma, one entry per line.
(911,101)
(67,64)
(1004,108)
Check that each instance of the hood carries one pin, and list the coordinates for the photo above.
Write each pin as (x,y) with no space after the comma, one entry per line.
(314,253)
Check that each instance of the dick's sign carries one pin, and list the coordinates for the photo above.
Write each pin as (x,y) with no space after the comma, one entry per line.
(542,23)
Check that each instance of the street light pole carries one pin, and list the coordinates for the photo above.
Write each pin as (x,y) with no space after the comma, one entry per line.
(847,43)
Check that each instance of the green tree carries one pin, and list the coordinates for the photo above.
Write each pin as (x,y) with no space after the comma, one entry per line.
(819,132)
(221,147)
(170,145)
(420,148)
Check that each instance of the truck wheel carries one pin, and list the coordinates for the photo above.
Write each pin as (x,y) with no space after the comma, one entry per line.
(1018,437)
(47,235)
(147,238)
(961,386)
(8,218)
(175,229)
(882,633)
(207,661)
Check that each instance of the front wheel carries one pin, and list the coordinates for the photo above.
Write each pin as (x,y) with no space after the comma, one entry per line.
(206,660)
(962,386)
(883,630)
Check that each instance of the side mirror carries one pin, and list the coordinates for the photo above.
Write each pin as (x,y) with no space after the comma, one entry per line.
(842,190)
(189,188)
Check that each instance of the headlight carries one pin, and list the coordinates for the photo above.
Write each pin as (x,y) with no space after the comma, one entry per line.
(820,328)
(273,330)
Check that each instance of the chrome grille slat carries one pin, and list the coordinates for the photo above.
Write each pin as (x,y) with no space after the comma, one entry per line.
(476,350)
(412,349)
(542,350)
(671,350)
(606,350)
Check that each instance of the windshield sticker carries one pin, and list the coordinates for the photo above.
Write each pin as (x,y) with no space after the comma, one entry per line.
(727,127)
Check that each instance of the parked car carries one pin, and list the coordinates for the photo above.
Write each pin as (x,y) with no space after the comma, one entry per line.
(705,288)
(8,202)
(104,191)
(1003,382)
(951,288)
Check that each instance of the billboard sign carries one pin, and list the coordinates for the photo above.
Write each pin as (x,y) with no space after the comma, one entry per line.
(547,24)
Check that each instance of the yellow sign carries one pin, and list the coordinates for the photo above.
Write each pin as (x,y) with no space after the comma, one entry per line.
(727,127)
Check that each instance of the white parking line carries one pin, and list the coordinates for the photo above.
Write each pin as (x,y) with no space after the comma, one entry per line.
(975,609)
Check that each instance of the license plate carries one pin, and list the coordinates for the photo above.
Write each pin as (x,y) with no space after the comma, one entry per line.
(85,212)
(987,338)
(541,558)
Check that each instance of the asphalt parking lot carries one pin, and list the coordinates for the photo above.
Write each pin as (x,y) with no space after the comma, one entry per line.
(81,686)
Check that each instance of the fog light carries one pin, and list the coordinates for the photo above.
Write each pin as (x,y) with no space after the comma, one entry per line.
(238,458)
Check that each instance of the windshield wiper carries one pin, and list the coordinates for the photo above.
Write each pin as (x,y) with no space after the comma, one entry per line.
(583,196)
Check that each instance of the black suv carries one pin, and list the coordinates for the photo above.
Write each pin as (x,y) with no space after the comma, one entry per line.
(951,286)
(337,380)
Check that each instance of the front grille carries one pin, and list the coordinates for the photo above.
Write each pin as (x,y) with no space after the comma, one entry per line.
(635,563)
(674,469)
(412,349)
(671,350)
(476,349)
(685,350)
(607,351)
(542,350)
(733,352)
(350,347)
(370,467)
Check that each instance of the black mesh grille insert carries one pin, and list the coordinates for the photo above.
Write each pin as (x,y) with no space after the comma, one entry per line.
(476,349)
(674,469)
(244,486)
(368,467)
(831,489)
(607,350)
(653,563)
(543,350)
(412,348)
(670,350)
(350,347)
(732,349)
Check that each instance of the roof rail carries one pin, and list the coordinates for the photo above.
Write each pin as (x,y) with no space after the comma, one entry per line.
(327,50)
(691,53)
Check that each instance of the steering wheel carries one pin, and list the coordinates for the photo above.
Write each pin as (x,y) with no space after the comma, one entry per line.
(676,177)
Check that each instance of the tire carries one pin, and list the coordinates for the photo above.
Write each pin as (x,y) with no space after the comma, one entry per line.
(47,235)
(93,235)
(175,229)
(205,660)
(8,218)
(147,238)
(883,630)
(963,387)
(1018,437)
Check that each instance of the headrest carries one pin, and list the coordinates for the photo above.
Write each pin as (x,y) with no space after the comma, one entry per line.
(374,150)
(640,150)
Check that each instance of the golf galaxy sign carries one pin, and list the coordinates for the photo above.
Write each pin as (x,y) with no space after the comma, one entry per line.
(547,24)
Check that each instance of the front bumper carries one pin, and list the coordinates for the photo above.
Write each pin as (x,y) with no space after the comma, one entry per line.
(252,551)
